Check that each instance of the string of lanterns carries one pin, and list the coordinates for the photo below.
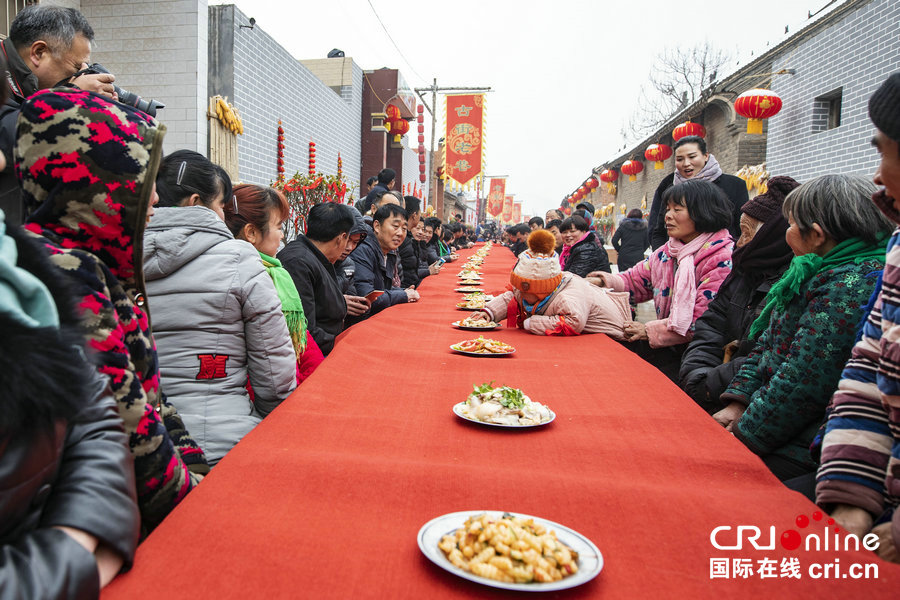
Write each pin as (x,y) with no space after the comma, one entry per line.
(755,105)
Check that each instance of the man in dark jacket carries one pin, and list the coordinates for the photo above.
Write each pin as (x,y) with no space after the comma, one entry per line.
(310,261)
(385,183)
(410,275)
(377,263)
(631,240)
(46,46)
(720,344)
(345,268)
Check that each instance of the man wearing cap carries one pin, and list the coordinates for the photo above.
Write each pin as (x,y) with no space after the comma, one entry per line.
(858,481)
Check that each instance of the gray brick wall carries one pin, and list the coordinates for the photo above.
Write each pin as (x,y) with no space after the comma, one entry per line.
(157,50)
(856,54)
(270,84)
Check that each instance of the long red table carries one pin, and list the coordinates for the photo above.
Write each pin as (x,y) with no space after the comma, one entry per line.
(324,499)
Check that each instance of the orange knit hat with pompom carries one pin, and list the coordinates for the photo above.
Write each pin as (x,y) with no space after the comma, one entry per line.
(537,271)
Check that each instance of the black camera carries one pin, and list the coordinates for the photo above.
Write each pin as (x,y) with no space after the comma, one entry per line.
(125,97)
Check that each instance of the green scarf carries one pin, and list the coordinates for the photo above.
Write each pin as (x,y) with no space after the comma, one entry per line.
(803,268)
(291,305)
(443,249)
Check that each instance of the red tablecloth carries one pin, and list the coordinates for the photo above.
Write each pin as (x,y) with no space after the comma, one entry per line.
(326,496)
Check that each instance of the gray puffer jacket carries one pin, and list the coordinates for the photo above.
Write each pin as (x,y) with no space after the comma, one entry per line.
(217,320)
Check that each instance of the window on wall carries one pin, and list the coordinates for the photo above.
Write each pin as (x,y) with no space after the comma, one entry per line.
(8,11)
(827,111)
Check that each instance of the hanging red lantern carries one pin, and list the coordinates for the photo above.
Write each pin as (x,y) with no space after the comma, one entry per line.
(583,190)
(609,176)
(592,183)
(421,129)
(688,128)
(632,168)
(658,153)
(756,105)
(392,112)
(577,195)
(421,177)
(421,139)
(422,168)
(399,129)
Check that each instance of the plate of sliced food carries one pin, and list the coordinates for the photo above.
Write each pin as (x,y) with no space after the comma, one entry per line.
(509,550)
(474,324)
(482,346)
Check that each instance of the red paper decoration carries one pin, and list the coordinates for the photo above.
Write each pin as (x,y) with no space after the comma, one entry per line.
(592,183)
(312,158)
(658,153)
(280,153)
(756,105)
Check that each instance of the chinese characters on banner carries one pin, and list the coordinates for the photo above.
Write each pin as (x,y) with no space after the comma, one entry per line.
(517,212)
(465,129)
(495,197)
(506,217)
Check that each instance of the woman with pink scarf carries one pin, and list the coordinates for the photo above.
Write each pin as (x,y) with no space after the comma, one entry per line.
(682,277)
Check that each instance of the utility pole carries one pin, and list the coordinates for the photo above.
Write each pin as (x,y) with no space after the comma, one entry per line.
(433,188)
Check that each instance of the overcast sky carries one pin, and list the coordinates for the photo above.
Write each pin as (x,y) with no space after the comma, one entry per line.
(566,74)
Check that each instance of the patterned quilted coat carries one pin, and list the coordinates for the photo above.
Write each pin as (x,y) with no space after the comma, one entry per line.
(87,168)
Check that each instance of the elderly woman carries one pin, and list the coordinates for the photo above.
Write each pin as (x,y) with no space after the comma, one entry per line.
(692,162)
(582,252)
(721,336)
(807,328)
(682,277)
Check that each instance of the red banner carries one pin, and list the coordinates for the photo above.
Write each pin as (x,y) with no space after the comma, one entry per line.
(495,197)
(517,212)
(507,210)
(465,128)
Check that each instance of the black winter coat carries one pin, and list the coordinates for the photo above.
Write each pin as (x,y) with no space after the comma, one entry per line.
(26,84)
(374,271)
(734,187)
(586,256)
(412,262)
(631,239)
(316,282)
(65,459)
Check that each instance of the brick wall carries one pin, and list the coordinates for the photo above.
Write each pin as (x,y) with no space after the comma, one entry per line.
(157,50)
(269,84)
(855,55)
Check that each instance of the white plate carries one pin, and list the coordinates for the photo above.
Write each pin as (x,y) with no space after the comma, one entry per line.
(590,561)
(458,411)
(458,325)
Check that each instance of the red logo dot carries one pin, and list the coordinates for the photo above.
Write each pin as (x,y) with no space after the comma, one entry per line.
(830,521)
(817,515)
(802,521)
(790,540)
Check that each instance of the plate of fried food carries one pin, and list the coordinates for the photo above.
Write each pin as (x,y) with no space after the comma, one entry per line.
(482,346)
(503,406)
(510,550)
(469,282)
(469,289)
(469,274)
(473,324)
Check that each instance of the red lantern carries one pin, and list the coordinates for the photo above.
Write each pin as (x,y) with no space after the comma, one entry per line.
(399,129)
(658,153)
(583,190)
(577,195)
(632,168)
(688,128)
(421,177)
(421,129)
(756,105)
(592,183)
(609,176)
(422,168)
(392,112)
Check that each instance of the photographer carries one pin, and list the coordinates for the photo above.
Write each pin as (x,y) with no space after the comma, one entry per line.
(47,45)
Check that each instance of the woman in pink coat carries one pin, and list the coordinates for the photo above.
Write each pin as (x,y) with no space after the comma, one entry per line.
(682,277)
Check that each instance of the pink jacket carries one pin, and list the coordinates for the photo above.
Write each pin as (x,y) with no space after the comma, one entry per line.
(584,307)
(646,280)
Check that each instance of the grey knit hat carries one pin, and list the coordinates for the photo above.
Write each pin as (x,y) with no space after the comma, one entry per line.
(884,107)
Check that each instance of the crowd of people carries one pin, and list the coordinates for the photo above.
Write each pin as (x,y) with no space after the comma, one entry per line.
(776,314)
